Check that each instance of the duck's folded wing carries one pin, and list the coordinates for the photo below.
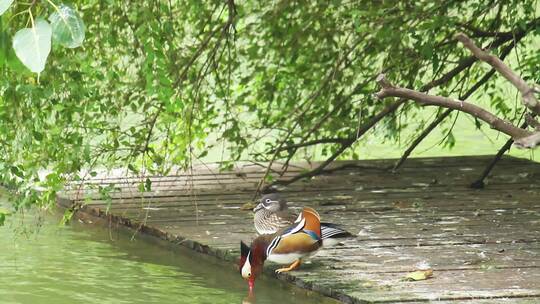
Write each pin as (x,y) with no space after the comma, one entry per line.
(271,224)
(294,243)
(282,218)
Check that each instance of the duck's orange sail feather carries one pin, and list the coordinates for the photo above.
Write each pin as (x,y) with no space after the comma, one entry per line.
(313,220)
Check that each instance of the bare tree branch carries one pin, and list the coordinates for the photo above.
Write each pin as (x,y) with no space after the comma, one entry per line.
(528,142)
(468,61)
(311,143)
(388,90)
(506,50)
(479,183)
(527,92)
(463,64)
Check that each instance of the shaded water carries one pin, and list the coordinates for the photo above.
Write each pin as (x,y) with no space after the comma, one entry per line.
(80,263)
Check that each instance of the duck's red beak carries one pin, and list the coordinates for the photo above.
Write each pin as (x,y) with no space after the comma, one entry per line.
(251,283)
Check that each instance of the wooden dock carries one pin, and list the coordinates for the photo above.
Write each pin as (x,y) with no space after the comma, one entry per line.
(483,245)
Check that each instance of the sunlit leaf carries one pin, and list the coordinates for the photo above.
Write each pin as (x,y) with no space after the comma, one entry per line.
(4,5)
(66,218)
(67,27)
(33,45)
(419,275)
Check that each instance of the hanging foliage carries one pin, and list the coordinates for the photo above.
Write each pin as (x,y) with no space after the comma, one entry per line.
(169,83)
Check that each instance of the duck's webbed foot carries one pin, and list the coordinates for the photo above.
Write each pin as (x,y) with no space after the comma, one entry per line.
(293,266)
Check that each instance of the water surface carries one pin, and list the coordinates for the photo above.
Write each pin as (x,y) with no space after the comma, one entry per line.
(88,263)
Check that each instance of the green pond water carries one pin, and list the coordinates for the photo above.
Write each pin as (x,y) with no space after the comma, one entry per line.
(88,263)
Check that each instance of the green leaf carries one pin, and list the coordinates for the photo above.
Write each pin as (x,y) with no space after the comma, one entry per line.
(68,28)
(33,45)
(4,5)
(132,168)
(16,171)
(148,184)
(66,218)
(38,135)
(141,187)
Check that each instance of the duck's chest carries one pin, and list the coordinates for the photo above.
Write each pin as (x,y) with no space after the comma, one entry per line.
(287,258)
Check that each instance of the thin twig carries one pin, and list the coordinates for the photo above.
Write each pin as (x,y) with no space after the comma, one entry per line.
(392,107)
(307,106)
(311,143)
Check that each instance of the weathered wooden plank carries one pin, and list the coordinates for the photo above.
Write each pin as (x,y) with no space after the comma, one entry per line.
(507,191)
(448,285)
(483,245)
(507,168)
(504,172)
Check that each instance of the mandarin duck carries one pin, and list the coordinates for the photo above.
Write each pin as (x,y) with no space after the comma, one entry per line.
(287,246)
(271,214)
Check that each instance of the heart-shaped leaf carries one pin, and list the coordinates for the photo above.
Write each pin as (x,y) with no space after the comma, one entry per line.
(68,28)
(33,45)
(4,5)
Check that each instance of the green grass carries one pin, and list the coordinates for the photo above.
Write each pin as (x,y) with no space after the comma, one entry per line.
(469,141)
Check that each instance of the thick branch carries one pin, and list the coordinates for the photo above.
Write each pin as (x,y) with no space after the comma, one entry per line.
(468,61)
(527,92)
(388,90)
(464,63)
(528,142)
(505,51)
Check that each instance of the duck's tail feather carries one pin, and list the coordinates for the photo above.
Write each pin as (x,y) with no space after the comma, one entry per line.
(333,231)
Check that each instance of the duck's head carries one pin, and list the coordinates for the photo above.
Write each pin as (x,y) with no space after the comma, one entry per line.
(251,263)
(272,202)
